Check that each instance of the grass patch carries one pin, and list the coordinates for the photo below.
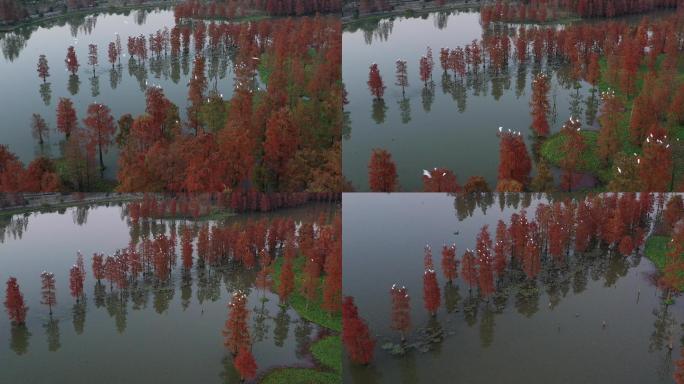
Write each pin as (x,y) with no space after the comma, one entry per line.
(300,376)
(552,151)
(311,311)
(656,250)
(328,351)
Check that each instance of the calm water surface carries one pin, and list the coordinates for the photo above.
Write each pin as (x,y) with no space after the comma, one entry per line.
(157,332)
(121,88)
(552,336)
(450,124)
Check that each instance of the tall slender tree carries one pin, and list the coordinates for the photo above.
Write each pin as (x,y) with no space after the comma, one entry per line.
(375,83)
(43,67)
(401,310)
(71,60)
(14,302)
(382,172)
(540,105)
(101,129)
(48,290)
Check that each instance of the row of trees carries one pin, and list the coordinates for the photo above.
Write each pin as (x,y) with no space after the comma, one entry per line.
(654,119)
(14,300)
(240,8)
(285,137)
(12,11)
(253,245)
(541,10)
(617,225)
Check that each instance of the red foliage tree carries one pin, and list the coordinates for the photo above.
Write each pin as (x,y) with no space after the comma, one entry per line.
(48,290)
(76,282)
(642,118)
(355,334)
(608,141)
(196,90)
(67,122)
(424,70)
(98,267)
(186,247)
(236,330)
(71,60)
(484,261)
(656,166)
(332,287)
(449,264)
(514,161)
(14,302)
(375,83)
(282,140)
(673,278)
(382,172)
(401,310)
(626,246)
(431,295)
(101,129)
(674,211)
(594,70)
(676,110)
(245,364)
(43,67)
(440,180)
(540,104)
(531,258)
(573,151)
(112,53)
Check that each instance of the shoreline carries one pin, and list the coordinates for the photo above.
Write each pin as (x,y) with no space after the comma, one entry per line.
(417,8)
(85,11)
(41,202)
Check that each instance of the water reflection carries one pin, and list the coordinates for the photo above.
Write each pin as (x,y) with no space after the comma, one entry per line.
(154,296)
(575,298)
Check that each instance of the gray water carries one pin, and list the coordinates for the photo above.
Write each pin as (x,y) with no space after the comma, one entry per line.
(21,86)
(555,336)
(459,130)
(169,333)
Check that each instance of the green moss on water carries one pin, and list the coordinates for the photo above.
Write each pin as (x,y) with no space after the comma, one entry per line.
(328,352)
(311,311)
(300,376)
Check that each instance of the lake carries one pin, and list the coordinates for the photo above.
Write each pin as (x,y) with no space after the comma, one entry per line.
(121,88)
(154,331)
(451,124)
(554,333)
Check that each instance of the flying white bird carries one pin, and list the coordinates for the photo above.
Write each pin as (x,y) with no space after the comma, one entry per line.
(426,173)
